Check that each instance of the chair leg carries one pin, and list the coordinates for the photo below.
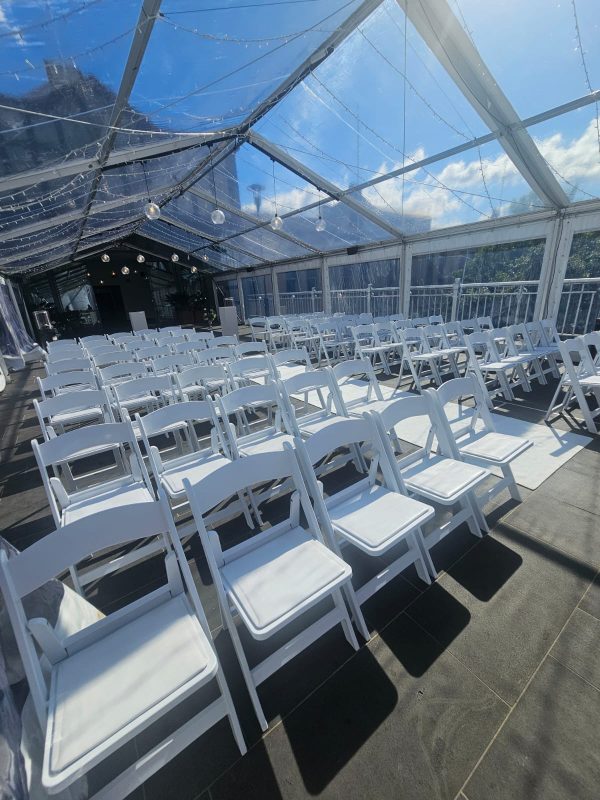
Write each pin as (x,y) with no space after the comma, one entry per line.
(424,565)
(472,519)
(356,612)
(511,483)
(231,712)
(239,649)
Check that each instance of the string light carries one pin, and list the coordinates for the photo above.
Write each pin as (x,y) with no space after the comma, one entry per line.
(124,270)
(175,258)
(140,258)
(194,270)
(151,209)
(105,257)
(276,222)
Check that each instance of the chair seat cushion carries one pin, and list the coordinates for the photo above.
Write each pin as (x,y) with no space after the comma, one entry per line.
(499,448)
(193,467)
(116,496)
(280,579)
(376,518)
(117,683)
(442,479)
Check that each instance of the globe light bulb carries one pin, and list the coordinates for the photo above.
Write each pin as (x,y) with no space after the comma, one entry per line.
(175,258)
(320,226)
(194,270)
(105,257)
(151,210)
(124,270)
(140,258)
(218,217)
(204,257)
(276,223)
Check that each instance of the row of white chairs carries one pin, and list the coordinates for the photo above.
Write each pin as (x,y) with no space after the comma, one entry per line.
(580,381)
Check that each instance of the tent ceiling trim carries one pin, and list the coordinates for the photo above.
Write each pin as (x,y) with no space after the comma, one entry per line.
(326,186)
(210,239)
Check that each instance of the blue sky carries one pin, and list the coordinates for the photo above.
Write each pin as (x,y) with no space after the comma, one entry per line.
(357,116)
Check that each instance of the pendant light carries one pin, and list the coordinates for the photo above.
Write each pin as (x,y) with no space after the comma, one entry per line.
(151,209)
(276,222)
(320,224)
(105,257)
(217,216)
(140,258)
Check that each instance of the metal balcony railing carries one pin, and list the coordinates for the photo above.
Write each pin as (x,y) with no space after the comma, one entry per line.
(301,302)
(380,302)
(579,309)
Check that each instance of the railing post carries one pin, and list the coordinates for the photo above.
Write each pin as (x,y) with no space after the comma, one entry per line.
(369,290)
(455,296)
(313,298)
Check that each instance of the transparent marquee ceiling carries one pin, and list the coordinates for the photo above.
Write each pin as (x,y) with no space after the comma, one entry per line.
(350,122)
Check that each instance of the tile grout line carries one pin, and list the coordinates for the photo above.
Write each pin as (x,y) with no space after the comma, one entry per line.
(574,672)
(518,700)
(589,564)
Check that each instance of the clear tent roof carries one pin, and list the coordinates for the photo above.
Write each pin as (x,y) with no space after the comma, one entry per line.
(378,118)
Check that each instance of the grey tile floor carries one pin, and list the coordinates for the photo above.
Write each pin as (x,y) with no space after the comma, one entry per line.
(483,686)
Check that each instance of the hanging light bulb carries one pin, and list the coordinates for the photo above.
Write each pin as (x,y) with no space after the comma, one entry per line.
(276,222)
(218,217)
(151,210)
(320,224)
(140,258)
(124,270)
(194,270)
(204,257)
(105,257)
(174,258)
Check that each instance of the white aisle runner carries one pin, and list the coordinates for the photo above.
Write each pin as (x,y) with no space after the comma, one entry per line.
(551,447)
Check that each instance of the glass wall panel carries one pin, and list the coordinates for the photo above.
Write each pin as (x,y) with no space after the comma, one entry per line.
(579,310)
(499,280)
(300,291)
(258,296)
(367,287)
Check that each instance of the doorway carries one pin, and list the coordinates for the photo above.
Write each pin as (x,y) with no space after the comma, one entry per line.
(111,308)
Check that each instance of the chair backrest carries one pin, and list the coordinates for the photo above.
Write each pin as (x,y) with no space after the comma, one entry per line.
(245,368)
(550,331)
(108,359)
(577,359)
(298,355)
(183,417)
(485,323)
(215,355)
(62,353)
(67,365)
(363,334)
(436,319)
(172,363)
(57,344)
(101,348)
(418,321)
(223,341)
(203,375)
(202,336)
(154,351)
(455,332)
(66,402)
(193,347)
(448,398)
(66,381)
(115,373)
(250,348)
(71,544)
(419,406)
(251,399)
(342,433)
(93,338)
(152,385)
(365,318)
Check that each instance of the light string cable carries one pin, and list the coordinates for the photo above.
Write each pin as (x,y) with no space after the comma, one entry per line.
(585,67)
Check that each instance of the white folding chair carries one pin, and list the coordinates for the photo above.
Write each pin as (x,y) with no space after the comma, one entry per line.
(245,349)
(581,380)
(196,383)
(432,475)
(268,581)
(258,328)
(64,352)
(216,355)
(144,394)
(166,365)
(151,352)
(127,371)
(251,369)
(53,385)
(108,682)
(117,356)
(473,436)
(358,388)
(260,420)
(290,362)
(371,515)
(72,409)
(366,345)
(177,449)
(306,418)
(191,348)
(223,341)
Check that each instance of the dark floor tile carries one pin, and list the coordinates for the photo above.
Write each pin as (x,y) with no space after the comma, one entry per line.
(591,599)
(554,520)
(577,488)
(548,749)
(509,598)
(578,646)
(399,736)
